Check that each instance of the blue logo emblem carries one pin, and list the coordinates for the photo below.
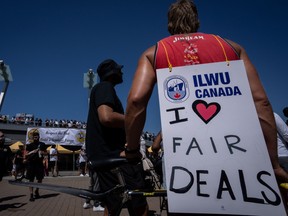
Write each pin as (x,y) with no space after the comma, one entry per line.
(176,89)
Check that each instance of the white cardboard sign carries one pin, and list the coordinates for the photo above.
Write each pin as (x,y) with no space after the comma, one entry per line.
(216,158)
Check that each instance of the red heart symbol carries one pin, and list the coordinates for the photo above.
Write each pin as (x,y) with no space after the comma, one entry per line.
(206,111)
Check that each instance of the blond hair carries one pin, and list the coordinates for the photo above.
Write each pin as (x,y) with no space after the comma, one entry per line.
(183,17)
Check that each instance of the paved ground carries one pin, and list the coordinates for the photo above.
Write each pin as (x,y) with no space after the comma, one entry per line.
(14,200)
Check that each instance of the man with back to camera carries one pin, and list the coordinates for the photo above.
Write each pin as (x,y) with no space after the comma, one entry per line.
(167,53)
(105,137)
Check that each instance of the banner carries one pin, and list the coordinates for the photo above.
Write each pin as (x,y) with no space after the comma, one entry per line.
(216,159)
(61,136)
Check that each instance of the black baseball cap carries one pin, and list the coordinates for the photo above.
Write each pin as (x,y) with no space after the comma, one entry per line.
(107,68)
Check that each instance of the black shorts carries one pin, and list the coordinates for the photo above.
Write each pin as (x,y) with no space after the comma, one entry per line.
(35,171)
(20,167)
(134,177)
(52,164)
(82,165)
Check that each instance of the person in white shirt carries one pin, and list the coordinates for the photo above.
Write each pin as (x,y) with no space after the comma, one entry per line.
(82,162)
(53,161)
(282,139)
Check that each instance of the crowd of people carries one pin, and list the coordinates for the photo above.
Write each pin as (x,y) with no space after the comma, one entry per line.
(38,122)
(16,167)
(112,132)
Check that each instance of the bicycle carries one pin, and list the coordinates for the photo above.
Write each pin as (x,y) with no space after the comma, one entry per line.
(120,189)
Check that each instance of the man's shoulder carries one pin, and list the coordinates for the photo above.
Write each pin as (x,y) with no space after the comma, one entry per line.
(42,146)
(103,84)
(103,91)
(190,36)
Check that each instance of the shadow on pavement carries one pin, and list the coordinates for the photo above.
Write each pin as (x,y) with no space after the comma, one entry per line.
(11,206)
(10,198)
(49,195)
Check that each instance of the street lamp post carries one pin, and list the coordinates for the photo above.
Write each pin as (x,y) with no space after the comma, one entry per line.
(6,76)
(90,79)
(91,76)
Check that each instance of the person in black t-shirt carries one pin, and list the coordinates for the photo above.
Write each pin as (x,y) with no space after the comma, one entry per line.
(5,156)
(105,137)
(35,168)
(105,134)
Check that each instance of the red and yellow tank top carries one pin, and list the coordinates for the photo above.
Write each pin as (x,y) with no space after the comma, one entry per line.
(190,49)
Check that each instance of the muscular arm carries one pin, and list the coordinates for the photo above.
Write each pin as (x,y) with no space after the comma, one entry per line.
(263,108)
(109,118)
(139,95)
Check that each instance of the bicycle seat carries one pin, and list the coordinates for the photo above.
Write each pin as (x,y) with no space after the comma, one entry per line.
(106,163)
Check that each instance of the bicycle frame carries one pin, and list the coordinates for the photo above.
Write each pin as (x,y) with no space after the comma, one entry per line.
(120,189)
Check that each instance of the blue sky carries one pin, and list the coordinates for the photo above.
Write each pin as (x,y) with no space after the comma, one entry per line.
(50,44)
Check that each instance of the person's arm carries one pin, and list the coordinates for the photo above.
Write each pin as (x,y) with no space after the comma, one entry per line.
(137,101)
(29,152)
(264,111)
(109,118)
(156,146)
(24,154)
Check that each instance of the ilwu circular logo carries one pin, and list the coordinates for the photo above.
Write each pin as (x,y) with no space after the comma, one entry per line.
(176,89)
